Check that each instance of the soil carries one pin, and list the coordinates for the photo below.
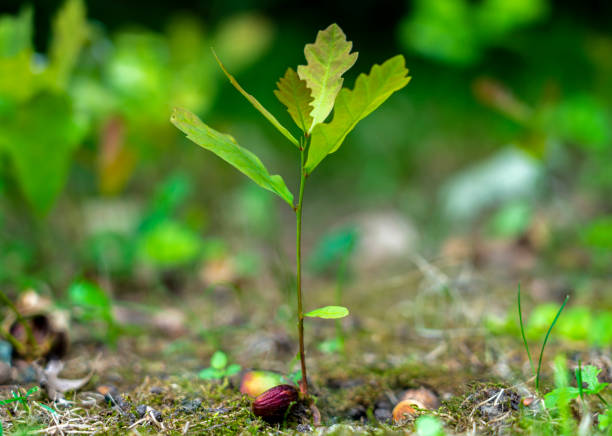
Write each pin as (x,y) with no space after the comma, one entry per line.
(419,328)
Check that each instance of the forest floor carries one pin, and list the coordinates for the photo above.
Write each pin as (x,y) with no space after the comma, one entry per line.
(427,327)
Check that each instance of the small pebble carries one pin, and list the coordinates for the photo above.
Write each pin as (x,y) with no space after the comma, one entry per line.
(6,350)
(220,410)
(156,390)
(143,409)
(190,406)
(5,373)
(383,415)
(357,413)
(303,428)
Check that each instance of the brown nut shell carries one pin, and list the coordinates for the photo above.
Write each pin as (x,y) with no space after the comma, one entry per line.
(424,396)
(274,403)
(403,411)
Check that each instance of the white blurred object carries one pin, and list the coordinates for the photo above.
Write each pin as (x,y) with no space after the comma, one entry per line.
(511,173)
(383,238)
(111,215)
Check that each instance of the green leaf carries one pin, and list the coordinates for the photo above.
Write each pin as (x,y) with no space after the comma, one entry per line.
(16,33)
(429,425)
(218,360)
(227,149)
(88,294)
(589,376)
(40,138)
(95,303)
(328,312)
(234,368)
(328,58)
(70,31)
(258,105)
(17,80)
(333,248)
(352,106)
(297,97)
(605,419)
(170,244)
(210,374)
(560,396)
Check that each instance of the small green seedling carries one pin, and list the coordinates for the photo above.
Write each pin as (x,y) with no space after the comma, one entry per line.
(334,251)
(23,400)
(92,305)
(520,313)
(309,94)
(604,420)
(219,368)
(587,375)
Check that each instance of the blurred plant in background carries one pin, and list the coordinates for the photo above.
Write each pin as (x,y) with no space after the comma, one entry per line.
(506,136)
(459,31)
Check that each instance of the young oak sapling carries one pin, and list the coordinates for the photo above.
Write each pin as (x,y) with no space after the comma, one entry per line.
(309,94)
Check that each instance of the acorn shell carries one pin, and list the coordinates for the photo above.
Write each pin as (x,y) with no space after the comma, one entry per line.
(404,410)
(273,404)
(426,397)
(255,382)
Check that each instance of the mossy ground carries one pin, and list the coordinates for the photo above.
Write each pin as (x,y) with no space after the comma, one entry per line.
(406,332)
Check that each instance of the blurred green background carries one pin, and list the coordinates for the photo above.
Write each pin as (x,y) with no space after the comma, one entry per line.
(504,133)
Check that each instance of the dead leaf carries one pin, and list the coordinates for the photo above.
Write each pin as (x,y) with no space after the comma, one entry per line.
(55,386)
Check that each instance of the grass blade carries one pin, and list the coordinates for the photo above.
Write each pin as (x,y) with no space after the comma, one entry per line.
(520,312)
(546,340)
(579,380)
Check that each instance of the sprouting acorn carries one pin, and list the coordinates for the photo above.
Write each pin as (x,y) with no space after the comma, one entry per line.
(255,382)
(273,404)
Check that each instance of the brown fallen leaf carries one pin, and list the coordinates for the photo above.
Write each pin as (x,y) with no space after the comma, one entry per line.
(55,386)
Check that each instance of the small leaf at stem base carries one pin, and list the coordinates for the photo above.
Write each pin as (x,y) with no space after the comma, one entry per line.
(328,312)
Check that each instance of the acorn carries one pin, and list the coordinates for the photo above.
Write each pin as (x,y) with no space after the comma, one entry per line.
(421,398)
(273,404)
(426,397)
(255,383)
(48,326)
(404,410)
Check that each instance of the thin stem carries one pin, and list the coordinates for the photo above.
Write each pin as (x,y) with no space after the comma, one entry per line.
(21,320)
(298,248)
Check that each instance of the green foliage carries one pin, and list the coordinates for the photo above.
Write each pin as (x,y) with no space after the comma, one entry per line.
(352,106)
(40,136)
(219,368)
(15,57)
(92,305)
(564,393)
(582,120)
(429,425)
(579,324)
(511,220)
(552,325)
(598,234)
(227,149)
(333,249)
(257,105)
(328,59)
(70,32)
(170,244)
(459,31)
(39,129)
(605,420)
(328,312)
(294,93)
